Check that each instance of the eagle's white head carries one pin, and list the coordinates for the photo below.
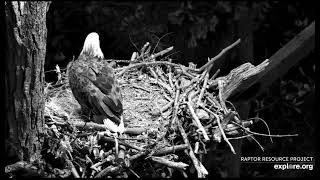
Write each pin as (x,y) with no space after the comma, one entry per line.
(91,46)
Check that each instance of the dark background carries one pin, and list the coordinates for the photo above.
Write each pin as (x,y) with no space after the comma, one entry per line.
(198,30)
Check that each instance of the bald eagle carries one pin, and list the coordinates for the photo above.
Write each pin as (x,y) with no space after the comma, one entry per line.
(94,85)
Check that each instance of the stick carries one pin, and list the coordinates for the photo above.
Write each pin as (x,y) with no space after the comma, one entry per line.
(196,147)
(139,87)
(219,55)
(160,74)
(107,170)
(134,173)
(196,162)
(170,78)
(214,75)
(222,101)
(204,87)
(95,126)
(124,69)
(109,139)
(175,106)
(164,85)
(144,48)
(195,117)
(224,135)
(175,165)
(121,155)
(172,149)
(73,169)
(133,56)
(159,111)
(135,131)
(21,166)
(161,53)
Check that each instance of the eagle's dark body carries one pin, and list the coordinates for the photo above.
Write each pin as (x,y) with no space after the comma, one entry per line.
(95,87)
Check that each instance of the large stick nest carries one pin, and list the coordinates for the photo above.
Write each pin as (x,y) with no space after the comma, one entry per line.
(170,113)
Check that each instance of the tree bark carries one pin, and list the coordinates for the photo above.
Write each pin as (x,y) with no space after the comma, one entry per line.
(25,49)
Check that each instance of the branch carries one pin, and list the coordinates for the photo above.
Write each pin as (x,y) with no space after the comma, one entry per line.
(172,149)
(195,117)
(219,55)
(176,165)
(109,139)
(146,64)
(202,172)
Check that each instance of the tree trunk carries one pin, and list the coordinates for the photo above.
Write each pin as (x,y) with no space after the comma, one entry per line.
(25,49)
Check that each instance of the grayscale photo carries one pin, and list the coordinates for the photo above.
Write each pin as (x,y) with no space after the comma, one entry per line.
(159,89)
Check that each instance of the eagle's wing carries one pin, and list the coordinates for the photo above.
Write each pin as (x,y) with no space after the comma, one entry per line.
(104,79)
(97,88)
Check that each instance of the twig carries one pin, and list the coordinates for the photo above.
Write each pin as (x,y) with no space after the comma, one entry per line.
(175,165)
(20,165)
(133,42)
(184,71)
(224,135)
(214,75)
(232,127)
(135,131)
(161,53)
(170,79)
(208,110)
(145,152)
(159,41)
(161,110)
(241,137)
(196,147)
(165,86)
(139,87)
(135,139)
(73,169)
(212,100)
(175,106)
(264,122)
(196,162)
(134,173)
(133,56)
(116,144)
(107,170)
(144,48)
(146,64)
(167,56)
(195,117)
(98,127)
(121,155)
(160,74)
(138,155)
(153,73)
(95,166)
(222,101)
(259,134)
(119,60)
(172,149)
(109,139)
(257,142)
(165,95)
(184,174)
(204,87)
(219,55)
